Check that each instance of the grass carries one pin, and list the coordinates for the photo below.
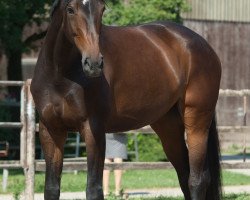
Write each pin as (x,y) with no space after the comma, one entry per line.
(237,197)
(235,149)
(226,197)
(131,180)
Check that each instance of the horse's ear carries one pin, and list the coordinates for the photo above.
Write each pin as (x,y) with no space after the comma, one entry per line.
(54,7)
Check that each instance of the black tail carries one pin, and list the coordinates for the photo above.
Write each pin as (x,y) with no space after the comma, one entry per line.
(214,191)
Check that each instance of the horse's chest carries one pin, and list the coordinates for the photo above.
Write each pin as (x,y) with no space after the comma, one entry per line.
(63,110)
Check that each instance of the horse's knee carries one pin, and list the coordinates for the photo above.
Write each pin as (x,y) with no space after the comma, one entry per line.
(198,185)
(51,194)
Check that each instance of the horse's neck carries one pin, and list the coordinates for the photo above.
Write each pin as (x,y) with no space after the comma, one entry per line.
(57,48)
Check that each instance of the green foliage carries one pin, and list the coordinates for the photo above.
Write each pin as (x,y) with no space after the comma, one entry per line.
(15,15)
(149,147)
(142,11)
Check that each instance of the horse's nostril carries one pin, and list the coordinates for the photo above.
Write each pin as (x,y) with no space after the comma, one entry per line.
(94,65)
(87,62)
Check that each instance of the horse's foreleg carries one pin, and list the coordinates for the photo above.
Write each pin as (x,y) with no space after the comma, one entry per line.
(170,129)
(95,144)
(197,125)
(52,145)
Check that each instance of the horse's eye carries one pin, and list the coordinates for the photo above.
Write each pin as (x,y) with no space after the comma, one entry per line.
(70,10)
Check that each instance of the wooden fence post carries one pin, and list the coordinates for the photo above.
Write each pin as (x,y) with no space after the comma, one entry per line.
(31,128)
(5,179)
(244,124)
(23,119)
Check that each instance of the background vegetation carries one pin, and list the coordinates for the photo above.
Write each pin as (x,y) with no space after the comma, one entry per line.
(124,12)
(15,16)
(149,148)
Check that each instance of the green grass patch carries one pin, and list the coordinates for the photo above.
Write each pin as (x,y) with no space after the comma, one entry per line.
(133,179)
(148,179)
(226,197)
(237,197)
(230,178)
(235,149)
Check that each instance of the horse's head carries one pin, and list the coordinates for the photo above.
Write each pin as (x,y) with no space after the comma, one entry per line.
(82,24)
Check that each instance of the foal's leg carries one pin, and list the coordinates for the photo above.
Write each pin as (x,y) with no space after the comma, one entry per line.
(52,145)
(95,143)
(170,129)
(197,125)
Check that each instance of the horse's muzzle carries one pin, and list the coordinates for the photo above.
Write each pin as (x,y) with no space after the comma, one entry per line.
(92,68)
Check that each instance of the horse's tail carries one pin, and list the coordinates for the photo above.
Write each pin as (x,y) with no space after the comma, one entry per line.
(214,191)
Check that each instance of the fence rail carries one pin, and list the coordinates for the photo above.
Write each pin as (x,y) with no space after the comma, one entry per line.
(12,83)
(11,125)
(27,143)
(82,166)
(234,93)
(10,165)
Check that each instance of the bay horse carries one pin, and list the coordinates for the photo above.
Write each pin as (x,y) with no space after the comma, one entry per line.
(94,79)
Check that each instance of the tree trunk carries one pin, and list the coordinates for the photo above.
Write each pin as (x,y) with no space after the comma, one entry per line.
(15,65)
(14,71)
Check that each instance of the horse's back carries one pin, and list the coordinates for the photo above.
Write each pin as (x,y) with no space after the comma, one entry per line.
(176,44)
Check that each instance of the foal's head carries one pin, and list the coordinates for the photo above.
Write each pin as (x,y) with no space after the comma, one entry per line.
(82,24)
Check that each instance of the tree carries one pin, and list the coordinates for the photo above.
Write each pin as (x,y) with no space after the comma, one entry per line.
(124,12)
(15,15)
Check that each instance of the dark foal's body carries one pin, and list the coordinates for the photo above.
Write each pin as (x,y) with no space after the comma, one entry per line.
(160,74)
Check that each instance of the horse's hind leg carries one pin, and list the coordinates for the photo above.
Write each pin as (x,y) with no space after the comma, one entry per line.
(197,125)
(52,145)
(170,129)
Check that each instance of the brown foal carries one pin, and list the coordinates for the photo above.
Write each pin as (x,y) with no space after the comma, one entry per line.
(95,79)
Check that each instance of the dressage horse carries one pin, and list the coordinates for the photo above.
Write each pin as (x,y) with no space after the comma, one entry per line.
(94,79)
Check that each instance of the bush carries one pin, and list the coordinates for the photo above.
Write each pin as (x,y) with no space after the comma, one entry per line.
(149,148)
(142,11)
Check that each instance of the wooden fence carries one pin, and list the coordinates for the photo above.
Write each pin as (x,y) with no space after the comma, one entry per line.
(27,136)
(28,125)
